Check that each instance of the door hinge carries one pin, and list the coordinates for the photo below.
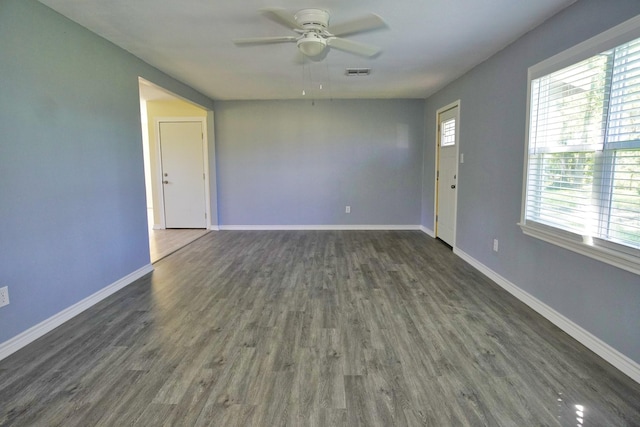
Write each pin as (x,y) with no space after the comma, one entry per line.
(437,175)
(436,218)
(203,177)
(205,215)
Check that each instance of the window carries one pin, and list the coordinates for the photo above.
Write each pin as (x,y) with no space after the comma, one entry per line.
(448,133)
(582,171)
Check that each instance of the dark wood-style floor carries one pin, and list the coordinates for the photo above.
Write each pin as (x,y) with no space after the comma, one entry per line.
(301,328)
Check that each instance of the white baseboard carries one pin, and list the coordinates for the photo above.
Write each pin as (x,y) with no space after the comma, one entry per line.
(427,231)
(16,343)
(318,227)
(593,343)
(158,227)
(214,228)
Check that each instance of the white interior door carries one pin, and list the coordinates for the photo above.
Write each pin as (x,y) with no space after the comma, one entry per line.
(183,177)
(447,175)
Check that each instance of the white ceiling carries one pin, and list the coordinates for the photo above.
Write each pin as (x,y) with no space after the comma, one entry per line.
(428,43)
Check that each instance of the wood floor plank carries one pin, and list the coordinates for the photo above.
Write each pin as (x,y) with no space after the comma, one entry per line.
(312,328)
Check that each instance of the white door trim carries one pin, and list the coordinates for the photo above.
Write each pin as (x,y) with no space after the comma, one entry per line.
(435,176)
(205,153)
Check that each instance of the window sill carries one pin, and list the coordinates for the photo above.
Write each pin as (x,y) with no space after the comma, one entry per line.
(575,243)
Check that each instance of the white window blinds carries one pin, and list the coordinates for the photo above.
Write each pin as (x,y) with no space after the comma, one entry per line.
(448,133)
(583,163)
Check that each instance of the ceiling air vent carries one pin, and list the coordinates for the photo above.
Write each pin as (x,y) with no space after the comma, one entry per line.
(358,72)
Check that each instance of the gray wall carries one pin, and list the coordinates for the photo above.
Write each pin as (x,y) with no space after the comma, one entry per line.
(602,299)
(294,163)
(72,198)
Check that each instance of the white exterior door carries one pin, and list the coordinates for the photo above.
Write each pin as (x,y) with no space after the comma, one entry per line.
(447,175)
(183,177)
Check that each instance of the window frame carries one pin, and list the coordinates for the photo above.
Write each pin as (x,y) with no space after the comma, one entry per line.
(611,253)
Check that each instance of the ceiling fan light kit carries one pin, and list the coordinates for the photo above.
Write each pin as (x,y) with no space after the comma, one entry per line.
(314,33)
(311,44)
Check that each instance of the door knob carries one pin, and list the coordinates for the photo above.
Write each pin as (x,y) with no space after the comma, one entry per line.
(453,186)
(165,182)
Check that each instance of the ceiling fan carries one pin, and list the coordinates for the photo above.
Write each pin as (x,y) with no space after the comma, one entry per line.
(314,35)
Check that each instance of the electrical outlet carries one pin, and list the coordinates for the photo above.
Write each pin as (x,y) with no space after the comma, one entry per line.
(495,245)
(4,296)
(347,209)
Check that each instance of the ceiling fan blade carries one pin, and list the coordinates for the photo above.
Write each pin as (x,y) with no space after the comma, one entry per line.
(264,40)
(350,46)
(282,17)
(366,23)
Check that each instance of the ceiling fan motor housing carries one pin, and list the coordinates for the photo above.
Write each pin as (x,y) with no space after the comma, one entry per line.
(313,19)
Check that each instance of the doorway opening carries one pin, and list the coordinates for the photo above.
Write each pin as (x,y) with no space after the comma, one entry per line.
(175,138)
(447,143)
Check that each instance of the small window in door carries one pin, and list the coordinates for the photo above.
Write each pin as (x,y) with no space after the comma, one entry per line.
(448,135)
